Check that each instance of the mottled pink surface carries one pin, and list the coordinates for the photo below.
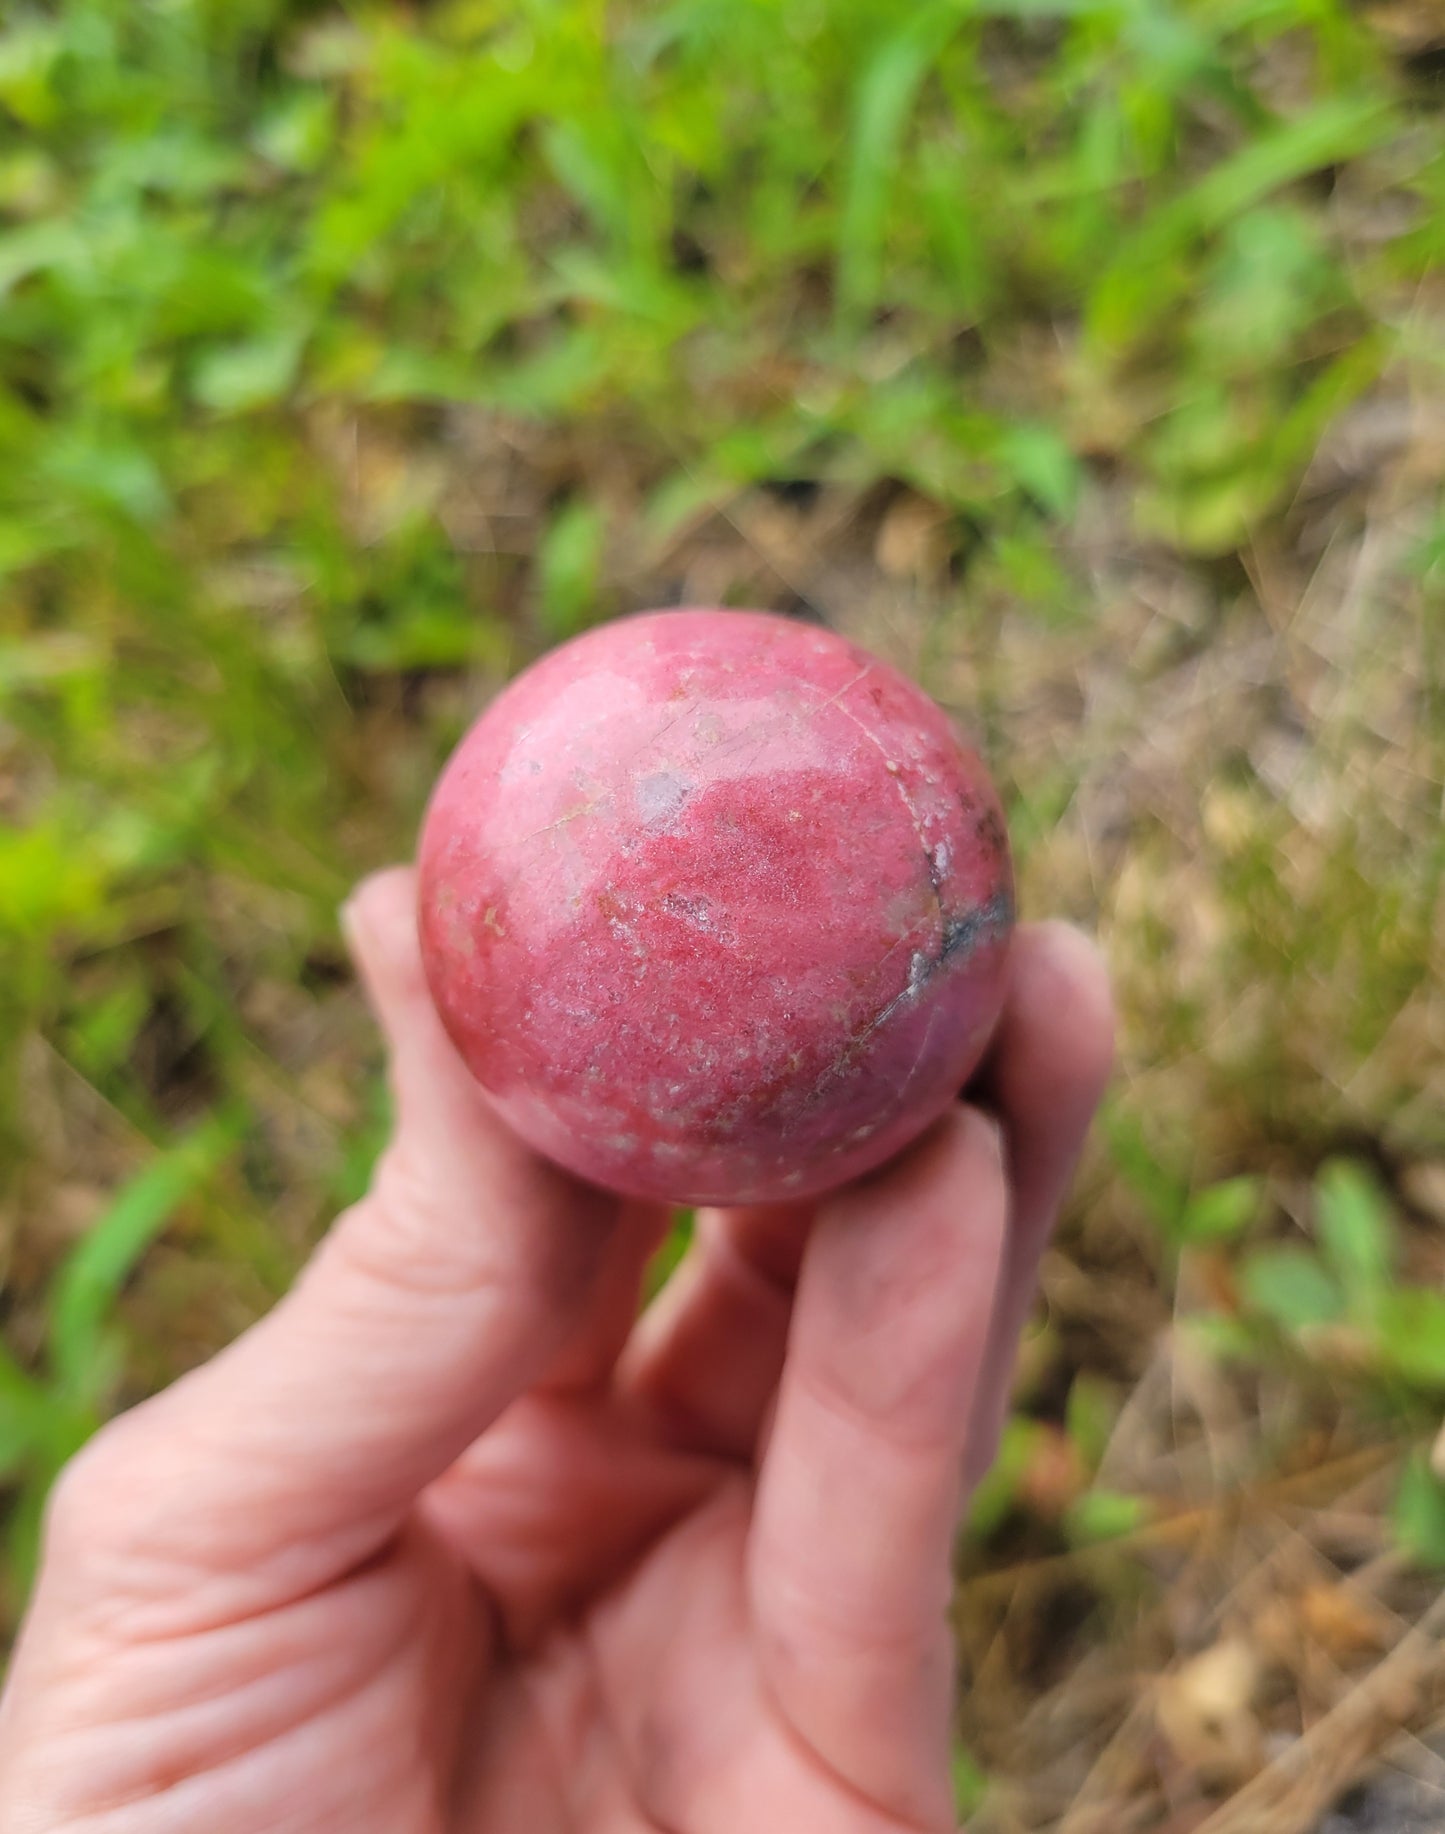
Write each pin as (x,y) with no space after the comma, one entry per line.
(716,906)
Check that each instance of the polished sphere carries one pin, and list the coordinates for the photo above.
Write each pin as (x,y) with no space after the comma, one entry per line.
(716,907)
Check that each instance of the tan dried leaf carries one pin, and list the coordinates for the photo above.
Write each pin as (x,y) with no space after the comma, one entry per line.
(1205,1710)
(1340,1620)
(912,539)
(1423,1186)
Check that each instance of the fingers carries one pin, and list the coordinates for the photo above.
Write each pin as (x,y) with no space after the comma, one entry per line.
(706,1359)
(557,1502)
(860,1488)
(466,1273)
(1045,1075)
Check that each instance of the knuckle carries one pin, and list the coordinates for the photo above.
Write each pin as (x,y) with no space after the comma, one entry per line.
(410,1235)
(97,1492)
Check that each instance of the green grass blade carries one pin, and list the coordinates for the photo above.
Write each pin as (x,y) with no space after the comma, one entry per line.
(1150,272)
(24,1410)
(1356,1229)
(668,1257)
(885,98)
(91,1278)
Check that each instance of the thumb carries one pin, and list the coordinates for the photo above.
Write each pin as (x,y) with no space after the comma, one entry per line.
(432,1304)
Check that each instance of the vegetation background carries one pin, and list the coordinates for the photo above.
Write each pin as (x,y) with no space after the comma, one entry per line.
(1087,357)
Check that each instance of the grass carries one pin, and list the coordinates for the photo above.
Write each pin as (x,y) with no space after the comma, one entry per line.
(1083,355)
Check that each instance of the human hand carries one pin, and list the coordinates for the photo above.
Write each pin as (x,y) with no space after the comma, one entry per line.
(450,1542)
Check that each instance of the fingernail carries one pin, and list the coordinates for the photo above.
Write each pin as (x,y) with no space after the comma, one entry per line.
(352,926)
(988,1131)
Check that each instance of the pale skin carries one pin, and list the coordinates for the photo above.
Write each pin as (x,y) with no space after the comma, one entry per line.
(451,1542)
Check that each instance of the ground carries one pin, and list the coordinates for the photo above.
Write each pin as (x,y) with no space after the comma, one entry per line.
(1084,357)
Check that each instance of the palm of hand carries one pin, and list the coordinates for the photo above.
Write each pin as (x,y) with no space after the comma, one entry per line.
(645,1709)
(446,1544)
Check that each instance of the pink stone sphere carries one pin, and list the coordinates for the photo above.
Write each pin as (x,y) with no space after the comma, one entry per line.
(716,907)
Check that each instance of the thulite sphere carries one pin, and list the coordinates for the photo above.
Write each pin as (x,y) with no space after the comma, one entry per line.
(716,907)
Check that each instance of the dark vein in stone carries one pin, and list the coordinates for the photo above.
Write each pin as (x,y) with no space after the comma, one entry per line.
(961,936)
